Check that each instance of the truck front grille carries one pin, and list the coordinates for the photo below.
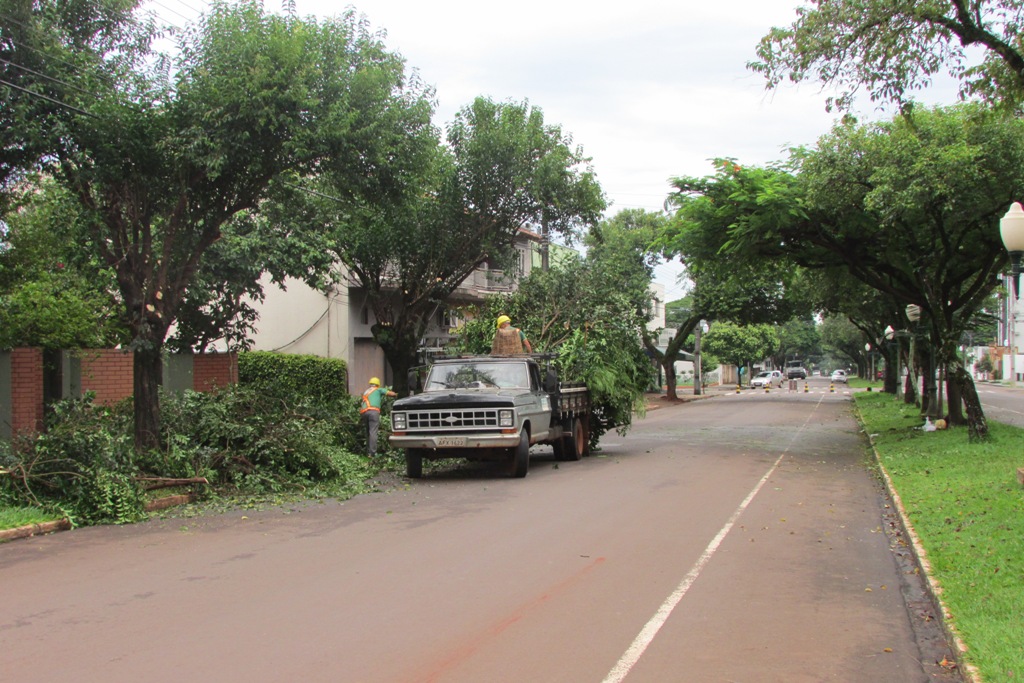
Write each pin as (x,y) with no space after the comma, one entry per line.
(453,419)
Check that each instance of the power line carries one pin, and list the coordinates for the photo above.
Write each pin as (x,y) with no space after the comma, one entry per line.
(49,99)
(42,75)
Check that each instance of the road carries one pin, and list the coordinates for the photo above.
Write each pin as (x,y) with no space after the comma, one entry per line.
(740,538)
(1001,403)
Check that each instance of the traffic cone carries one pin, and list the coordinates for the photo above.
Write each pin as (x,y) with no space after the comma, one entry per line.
(805,387)
(832,388)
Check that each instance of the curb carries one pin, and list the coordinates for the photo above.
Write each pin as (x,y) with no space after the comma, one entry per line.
(34,530)
(30,530)
(969,671)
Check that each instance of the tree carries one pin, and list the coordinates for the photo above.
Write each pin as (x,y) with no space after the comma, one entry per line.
(739,289)
(740,345)
(894,49)
(503,169)
(910,207)
(798,338)
(161,160)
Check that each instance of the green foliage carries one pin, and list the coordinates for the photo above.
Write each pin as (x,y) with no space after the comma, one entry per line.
(893,49)
(254,441)
(740,345)
(966,507)
(591,321)
(609,359)
(291,375)
(985,364)
(461,205)
(82,464)
(240,439)
(746,287)
(53,294)
(17,516)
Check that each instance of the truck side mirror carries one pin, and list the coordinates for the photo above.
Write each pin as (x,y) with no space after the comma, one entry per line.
(412,379)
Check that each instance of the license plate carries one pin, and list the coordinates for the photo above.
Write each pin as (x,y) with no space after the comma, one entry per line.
(450,441)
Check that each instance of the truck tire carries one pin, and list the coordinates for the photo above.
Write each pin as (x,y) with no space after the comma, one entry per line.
(575,442)
(521,456)
(413,463)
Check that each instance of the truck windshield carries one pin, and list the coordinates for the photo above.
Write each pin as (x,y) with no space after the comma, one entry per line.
(477,375)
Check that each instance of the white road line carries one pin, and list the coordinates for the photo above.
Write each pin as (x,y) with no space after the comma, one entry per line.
(651,628)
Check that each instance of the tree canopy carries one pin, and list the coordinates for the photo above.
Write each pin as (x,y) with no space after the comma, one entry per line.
(463,204)
(894,49)
(164,151)
(910,207)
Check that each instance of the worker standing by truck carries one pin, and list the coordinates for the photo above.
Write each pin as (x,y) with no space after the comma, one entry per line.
(509,340)
(369,411)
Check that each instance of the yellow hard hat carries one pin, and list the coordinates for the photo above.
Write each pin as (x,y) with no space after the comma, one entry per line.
(503,319)
(375,381)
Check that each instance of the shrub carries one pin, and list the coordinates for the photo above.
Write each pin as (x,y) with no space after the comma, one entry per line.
(292,377)
(82,464)
(240,436)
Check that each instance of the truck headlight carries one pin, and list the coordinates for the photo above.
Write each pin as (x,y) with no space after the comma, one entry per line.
(505,418)
(398,422)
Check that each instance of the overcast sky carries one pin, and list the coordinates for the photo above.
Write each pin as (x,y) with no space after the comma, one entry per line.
(651,89)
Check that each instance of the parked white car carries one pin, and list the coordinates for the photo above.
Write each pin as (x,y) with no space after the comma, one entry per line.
(766,379)
(839,376)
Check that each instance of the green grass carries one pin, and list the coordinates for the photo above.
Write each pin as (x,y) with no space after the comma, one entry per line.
(967,508)
(14,517)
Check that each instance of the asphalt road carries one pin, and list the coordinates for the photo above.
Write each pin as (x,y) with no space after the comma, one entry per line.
(741,538)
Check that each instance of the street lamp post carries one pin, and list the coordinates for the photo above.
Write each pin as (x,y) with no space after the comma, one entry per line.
(1011,230)
(870,364)
(890,335)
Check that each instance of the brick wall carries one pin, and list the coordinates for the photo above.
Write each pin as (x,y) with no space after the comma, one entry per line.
(213,370)
(108,373)
(26,390)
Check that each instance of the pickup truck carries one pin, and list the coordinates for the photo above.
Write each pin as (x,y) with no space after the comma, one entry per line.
(490,408)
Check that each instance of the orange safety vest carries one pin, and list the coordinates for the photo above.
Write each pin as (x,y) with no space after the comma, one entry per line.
(367,406)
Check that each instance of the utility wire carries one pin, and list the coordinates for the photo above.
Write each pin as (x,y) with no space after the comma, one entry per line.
(42,75)
(49,99)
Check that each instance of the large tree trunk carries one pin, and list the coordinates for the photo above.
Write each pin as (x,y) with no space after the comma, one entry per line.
(977,425)
(910,392)
(929,404)
(148,369)
(670,379)
(954,400)
(399,352)
(891,383)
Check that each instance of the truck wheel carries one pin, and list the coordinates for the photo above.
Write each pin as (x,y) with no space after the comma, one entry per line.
(521,456)
(413,463)
(575,443)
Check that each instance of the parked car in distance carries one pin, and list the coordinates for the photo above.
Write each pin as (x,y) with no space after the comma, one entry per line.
(839,376)
(767,379)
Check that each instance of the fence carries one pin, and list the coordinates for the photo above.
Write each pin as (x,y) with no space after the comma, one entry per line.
(30,378)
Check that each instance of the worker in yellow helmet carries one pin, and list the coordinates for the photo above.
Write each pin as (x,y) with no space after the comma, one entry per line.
(509,340)
(369,412)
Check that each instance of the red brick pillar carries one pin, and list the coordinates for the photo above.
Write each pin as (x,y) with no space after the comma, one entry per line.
(26,390)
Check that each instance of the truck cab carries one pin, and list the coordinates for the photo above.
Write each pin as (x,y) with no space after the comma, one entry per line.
(489,408)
